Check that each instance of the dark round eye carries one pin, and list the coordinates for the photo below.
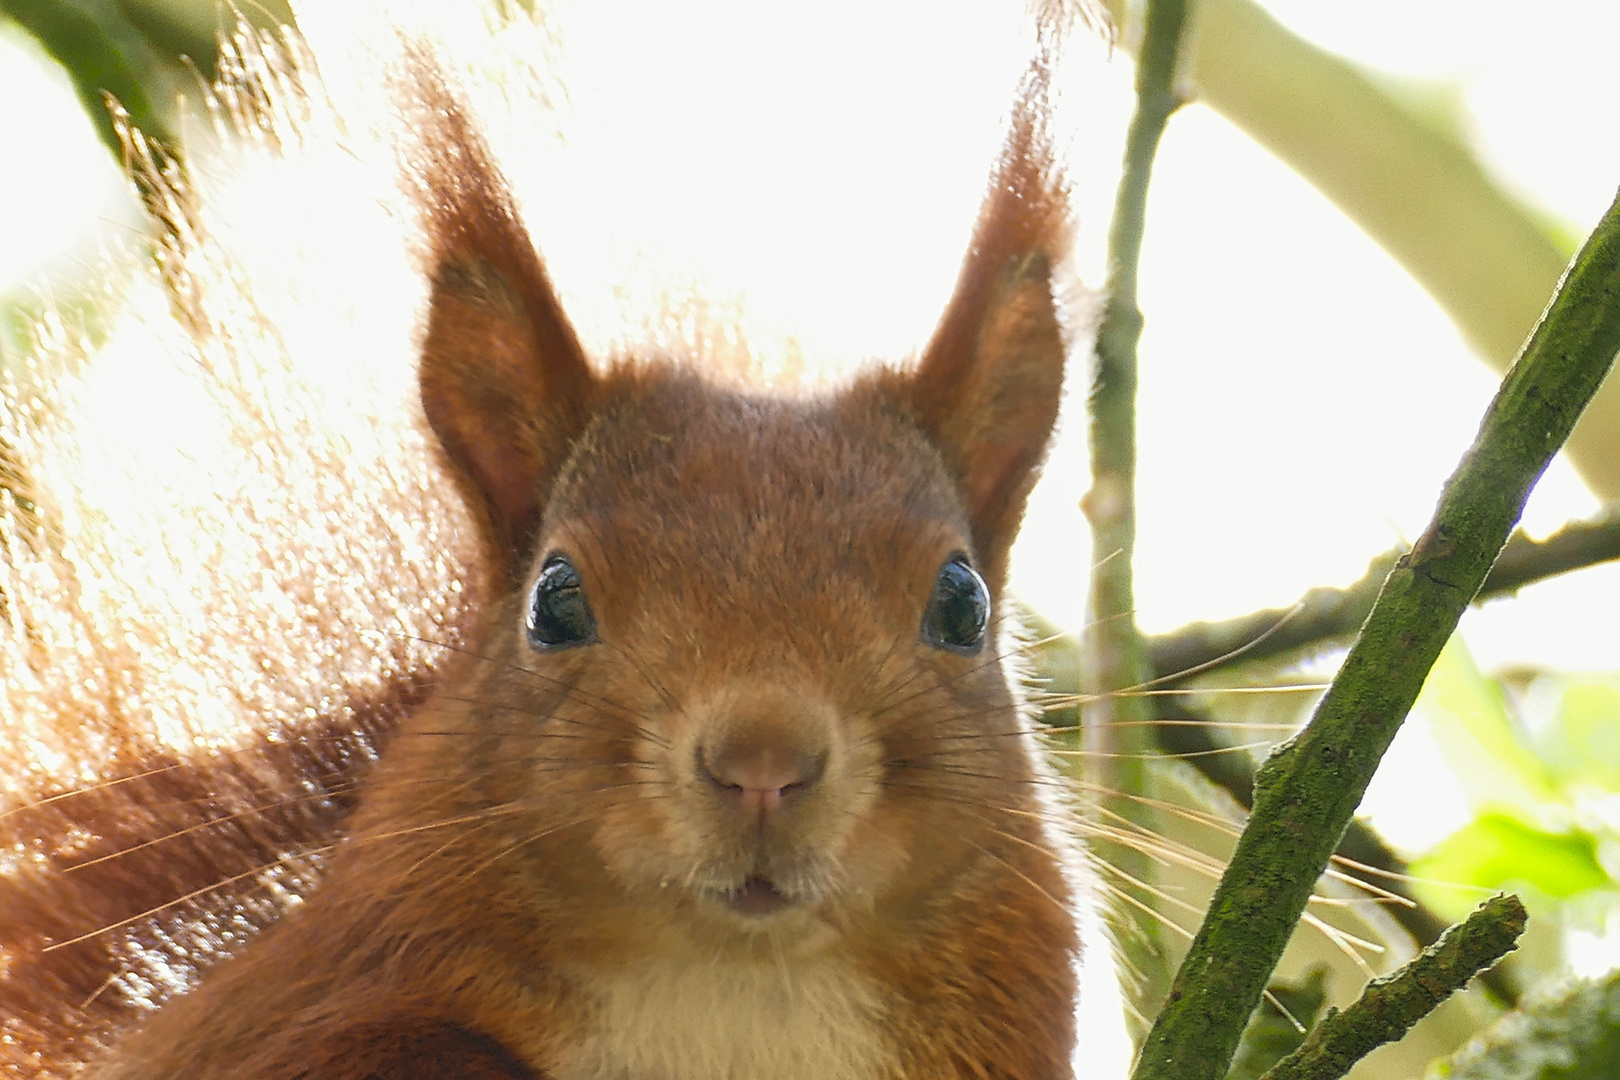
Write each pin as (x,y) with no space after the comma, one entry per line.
(959,609)
(559,614)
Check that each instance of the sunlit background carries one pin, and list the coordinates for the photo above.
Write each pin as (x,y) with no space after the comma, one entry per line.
(1302,398)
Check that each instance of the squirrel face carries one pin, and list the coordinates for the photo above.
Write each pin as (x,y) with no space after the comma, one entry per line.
(737,714)
(759,627)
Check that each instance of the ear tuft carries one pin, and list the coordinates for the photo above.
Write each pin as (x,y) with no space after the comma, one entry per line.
(505,382)
(988,386)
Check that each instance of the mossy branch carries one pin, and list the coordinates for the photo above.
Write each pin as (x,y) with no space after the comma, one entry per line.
(1323,615)
(1369,859)
(1389,1006)
(1114,657)
(1306,792)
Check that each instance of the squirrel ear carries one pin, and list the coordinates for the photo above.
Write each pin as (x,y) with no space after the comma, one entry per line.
(505,383)
(988,386)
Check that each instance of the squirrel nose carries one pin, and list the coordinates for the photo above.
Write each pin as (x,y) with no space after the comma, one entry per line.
(758,778)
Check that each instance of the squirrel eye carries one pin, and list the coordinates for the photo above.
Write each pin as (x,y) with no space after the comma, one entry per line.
(959,608)
(559,614)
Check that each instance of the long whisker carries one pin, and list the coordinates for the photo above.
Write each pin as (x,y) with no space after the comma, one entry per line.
(262,868)
(210,822)
(1153,755)
(1124,896)
(1063,701)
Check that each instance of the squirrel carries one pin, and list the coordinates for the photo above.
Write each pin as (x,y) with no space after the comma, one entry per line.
(703,758)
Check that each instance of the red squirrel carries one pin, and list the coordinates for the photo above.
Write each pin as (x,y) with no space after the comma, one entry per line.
(726,777)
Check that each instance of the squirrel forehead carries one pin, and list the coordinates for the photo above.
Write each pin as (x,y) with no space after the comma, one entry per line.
(718,475)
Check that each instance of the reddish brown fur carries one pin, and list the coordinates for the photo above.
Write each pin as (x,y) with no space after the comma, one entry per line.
(758,569)
(171,831)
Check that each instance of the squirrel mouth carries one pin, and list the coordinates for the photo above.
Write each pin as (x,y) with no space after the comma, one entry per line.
(757,896)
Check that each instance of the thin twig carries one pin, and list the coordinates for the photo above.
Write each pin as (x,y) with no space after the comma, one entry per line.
(1115,657)
(1322,615)
(1389,1006)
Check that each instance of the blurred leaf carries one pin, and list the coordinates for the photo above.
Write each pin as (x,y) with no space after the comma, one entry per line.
(1573,1036)
(1582,747)
(1494,763)
(1495,850)
(192,28)
(103,53)
(143,53)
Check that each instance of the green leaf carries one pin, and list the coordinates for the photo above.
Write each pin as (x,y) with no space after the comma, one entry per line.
(1495,851)
(1574,1035)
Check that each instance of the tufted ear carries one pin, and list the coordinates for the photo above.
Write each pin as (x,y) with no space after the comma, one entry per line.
(505,383)
(988,386)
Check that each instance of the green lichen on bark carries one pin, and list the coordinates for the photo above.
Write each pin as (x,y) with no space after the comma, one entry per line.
(1389,1006)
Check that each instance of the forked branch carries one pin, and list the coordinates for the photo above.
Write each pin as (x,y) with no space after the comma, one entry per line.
(1389,1006)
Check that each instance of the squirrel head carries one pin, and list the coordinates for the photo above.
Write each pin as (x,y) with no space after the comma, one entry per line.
(750,646)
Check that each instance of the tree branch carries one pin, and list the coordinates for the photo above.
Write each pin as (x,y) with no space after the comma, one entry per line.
(1324,614)
(1115,658)
(1389,1006)
(1306,792)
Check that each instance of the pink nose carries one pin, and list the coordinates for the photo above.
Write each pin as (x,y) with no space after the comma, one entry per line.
(757,779)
